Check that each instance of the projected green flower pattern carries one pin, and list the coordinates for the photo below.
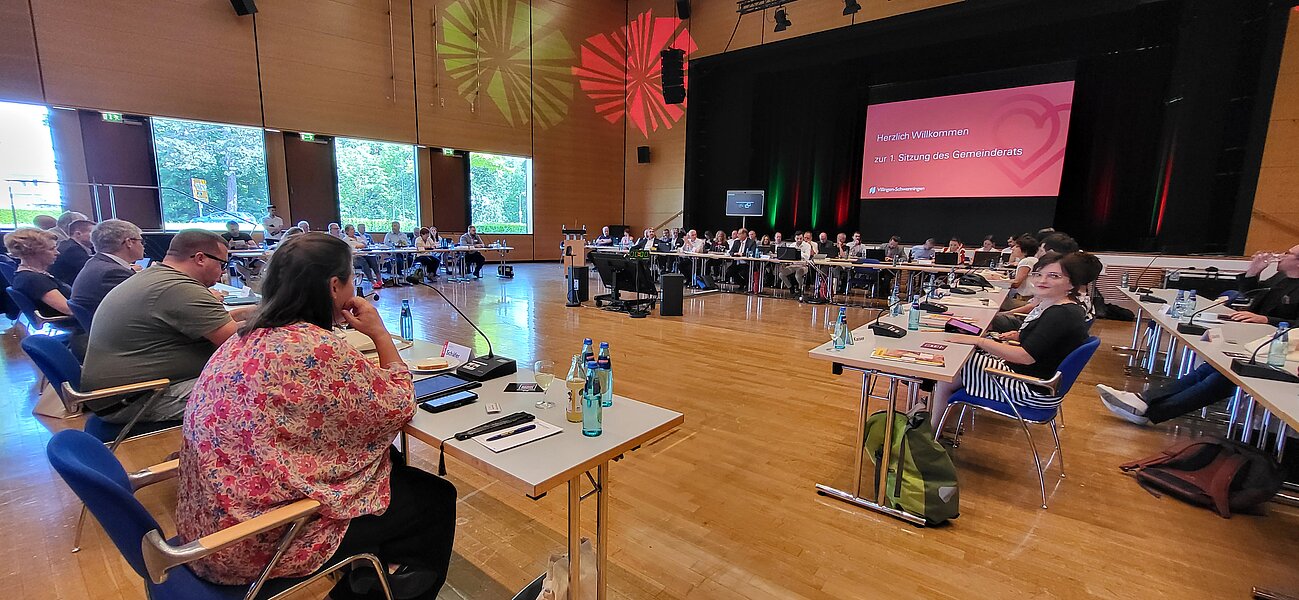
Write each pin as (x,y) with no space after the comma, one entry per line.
(485,48)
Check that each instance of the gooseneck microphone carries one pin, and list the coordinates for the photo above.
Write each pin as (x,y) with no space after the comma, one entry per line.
(1134,287)
(1189,327)
(478,369)
(887,329)
(1253,368)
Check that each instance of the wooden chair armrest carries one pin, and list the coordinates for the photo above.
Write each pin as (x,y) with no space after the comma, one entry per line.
(76,397)
(1051,385)
(154,474)
(54,319)
(160,556)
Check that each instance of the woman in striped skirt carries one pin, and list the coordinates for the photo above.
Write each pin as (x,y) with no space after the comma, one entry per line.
(1055,328)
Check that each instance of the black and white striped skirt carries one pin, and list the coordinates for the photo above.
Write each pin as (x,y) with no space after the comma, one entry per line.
(979,383)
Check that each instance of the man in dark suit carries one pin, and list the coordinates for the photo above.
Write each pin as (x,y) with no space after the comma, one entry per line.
(119,245)
(73,252)
(744,245)
(646,242)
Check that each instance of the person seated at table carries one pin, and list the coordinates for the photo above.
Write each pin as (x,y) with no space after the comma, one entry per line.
(626,241)
(765,242)
(367,263)
(162,322)
(955,246)
(426,241)
(823,242)
(856,240)
(395,238)
(720,242)
(1010,246)
(645,241)
(1058,242)
(1024,257)
(50,224)
(361,233)
(475,260)
(925,251)
(119,244)
(839,249)
(795,274)
(742,246)
(236,239)
(1055,328)
(1274,300)
(893,250)
(292,412)
(604,239)
(73,252)
(304,226)
(989,244)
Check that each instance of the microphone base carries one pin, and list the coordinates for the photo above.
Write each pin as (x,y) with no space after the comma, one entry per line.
(1245,368)
(1190,329)
(1153,299)
(482,369)
(887,330)
(933,307)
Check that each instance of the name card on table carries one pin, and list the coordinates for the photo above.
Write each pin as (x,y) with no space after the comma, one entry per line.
(461,354)
(1212,335)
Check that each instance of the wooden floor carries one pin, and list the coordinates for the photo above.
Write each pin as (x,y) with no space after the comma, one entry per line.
(725,507)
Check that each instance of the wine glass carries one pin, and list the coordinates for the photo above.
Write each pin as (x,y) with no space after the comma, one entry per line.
(543,372)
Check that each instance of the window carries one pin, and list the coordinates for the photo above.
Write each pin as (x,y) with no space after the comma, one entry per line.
(27,153)
(500,193)
(210,173)
(376,185)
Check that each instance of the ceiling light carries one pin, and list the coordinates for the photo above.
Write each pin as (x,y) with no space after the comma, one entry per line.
(850,7)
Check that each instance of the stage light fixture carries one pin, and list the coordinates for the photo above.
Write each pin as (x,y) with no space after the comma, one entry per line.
(850,7)
(782,20)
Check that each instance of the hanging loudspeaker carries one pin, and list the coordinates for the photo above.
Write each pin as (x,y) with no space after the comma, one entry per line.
(683,9)
(244,8)
(673,75)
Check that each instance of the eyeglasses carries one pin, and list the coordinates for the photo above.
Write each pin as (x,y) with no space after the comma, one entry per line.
(1051,276)
(223,262)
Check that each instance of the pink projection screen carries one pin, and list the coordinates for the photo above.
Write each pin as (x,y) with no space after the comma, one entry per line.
(1000,143)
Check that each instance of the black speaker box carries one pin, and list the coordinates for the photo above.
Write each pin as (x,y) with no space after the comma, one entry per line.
(673,75)
(642,154)
(683,9)
(673,286)
(582,281)
(244,8)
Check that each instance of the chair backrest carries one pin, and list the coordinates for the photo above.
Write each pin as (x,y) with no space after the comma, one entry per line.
(55,360)
(1073,364)
(83,315)
(8,268)
(25,305)
(99,480)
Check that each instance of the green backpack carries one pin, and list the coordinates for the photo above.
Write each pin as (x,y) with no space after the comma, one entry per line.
(927,486)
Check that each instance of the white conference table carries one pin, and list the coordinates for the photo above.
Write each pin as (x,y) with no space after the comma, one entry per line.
(543,465)
(1278,398)
(460,253)
(858,358)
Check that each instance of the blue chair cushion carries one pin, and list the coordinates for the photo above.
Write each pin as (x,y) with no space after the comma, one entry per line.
(1039,415)
(106,432)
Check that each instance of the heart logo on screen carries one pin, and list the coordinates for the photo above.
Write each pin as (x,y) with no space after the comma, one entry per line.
(1034,123)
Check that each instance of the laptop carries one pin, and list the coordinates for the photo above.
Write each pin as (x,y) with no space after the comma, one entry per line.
(984,259)
(946,258)
(662,246)
(788,253)
(875,253)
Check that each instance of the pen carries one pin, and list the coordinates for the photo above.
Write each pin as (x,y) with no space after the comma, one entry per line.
(512,432)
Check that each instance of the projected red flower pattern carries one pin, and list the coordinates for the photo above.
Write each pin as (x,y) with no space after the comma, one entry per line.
(601,71)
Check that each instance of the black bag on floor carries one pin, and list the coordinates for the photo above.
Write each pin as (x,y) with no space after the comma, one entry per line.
(1219,474)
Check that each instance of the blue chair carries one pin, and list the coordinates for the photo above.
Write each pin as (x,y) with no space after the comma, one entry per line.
(84,315)
(1045,410)
(64,324)
(99,480)
(864,277)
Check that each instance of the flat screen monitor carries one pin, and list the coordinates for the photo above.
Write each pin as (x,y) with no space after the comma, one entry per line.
(745,203)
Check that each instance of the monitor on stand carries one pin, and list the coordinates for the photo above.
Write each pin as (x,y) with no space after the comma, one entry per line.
(625,274)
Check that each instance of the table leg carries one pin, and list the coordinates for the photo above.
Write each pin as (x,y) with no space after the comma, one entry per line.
(1237,398)
(575,536)
(1136,337)
(602,531)
(1247,426)
(1168,355)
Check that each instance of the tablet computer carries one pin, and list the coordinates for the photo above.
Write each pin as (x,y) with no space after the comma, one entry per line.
(441,385)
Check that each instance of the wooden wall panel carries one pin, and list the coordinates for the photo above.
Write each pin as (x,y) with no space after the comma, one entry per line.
(20,74)
(178,58)
(338,67)
(122,153)
(1274,219)
(578,163)
(449,196)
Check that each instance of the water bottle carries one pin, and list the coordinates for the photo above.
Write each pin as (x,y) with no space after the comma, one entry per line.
(847,331)
(839,343)
(1189,309)
(1123,280)
(1280,347)
(1175,311)
(587,354)
(407,322)
(606,375)
(951,279)
(592,413)
(913,319)
(895,300)
(575,382)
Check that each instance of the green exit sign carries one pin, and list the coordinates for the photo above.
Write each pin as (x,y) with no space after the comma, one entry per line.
(448,151)
(308,137)
(111,117)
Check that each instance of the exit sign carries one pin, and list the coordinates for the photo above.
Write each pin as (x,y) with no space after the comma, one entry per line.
(308,137)
(448,151)
(111,117)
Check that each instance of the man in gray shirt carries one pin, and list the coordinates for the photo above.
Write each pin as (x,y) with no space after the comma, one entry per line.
(160,323)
